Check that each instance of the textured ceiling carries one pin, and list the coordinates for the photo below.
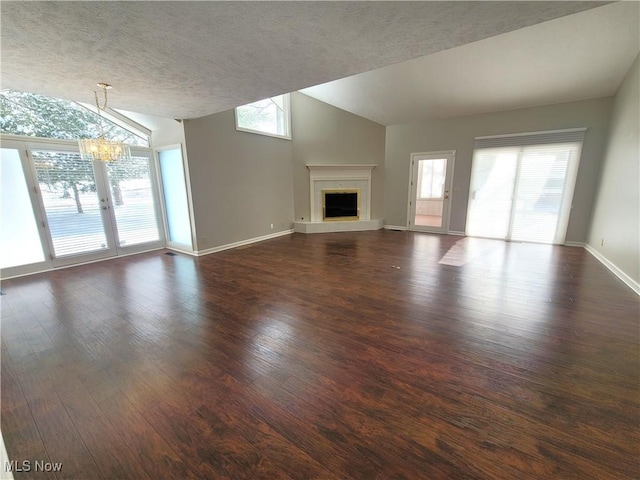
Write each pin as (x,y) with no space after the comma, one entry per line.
(576,57)
(190,59)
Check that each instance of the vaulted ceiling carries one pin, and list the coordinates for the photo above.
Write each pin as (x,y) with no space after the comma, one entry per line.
(190,59)
(576,57)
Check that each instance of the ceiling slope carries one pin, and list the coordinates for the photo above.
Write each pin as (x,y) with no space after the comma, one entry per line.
(189,59)
(581,56)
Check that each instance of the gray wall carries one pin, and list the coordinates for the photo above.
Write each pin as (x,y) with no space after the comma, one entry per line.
(240,182)
(616,215)
(323,133)
(243,182)
(459,133)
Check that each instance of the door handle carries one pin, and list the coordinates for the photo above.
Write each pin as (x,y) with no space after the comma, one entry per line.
(104,207)
(446,196)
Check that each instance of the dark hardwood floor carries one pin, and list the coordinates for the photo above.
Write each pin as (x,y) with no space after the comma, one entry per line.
(315,356)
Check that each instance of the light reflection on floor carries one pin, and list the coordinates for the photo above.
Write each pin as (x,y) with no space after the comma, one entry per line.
(466,249)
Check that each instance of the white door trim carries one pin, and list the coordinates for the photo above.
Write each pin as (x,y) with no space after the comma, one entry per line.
(450,155)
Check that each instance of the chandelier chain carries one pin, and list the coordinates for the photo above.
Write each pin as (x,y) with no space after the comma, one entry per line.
(101,149)
(104,105)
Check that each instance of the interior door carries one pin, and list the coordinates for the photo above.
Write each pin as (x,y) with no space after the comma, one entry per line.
(76,204)
(430,192)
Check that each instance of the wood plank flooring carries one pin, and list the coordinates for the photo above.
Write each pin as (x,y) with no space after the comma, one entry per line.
(374,355)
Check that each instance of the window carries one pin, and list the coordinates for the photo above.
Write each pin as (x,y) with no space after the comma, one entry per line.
(174,190)
(522,186)
(19,238)
(33,115)
(271,116)
(59,209)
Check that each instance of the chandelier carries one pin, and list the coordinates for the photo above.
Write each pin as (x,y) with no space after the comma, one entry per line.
(100,148)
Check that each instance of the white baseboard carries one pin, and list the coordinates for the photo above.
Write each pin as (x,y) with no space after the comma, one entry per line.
(241,243)
(635,286)
(397,227)
(575,244)
(193,253)
(71,265)
(394,227)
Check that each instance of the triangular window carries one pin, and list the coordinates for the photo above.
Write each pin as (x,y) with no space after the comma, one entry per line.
(36,115)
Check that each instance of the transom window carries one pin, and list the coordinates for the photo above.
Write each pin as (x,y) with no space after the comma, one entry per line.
(34,115)
(271,116)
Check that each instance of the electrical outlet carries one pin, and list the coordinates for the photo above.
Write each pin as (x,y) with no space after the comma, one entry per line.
(272,226)
(602,242)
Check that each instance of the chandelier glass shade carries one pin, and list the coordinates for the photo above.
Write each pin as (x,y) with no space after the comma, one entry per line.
(101,149)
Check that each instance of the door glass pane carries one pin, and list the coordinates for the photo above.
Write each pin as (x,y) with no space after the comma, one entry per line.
(71,202)
(132,201)
(492,181)
(430,192)
(175,196)
(19,240)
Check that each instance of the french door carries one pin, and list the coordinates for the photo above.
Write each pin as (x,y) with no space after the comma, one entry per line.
(75,203)
(522,193)
(82,210)
(429,195)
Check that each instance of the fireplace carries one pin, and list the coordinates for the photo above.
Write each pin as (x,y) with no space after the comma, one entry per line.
(340,204)
(339,199)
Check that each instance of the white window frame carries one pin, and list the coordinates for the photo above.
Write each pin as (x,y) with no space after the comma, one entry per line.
(122,121)
(521,142)
(165,222)
(24,144)
(287,119)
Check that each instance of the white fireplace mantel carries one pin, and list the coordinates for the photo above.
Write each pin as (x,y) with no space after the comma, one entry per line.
(323,176)
(340,176)
(332,168)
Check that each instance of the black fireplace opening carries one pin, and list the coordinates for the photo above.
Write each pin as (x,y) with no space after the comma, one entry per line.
(341,205)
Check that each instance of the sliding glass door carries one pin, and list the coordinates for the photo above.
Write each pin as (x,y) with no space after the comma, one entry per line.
(523,193)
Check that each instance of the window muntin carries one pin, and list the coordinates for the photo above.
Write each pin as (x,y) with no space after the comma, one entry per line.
(271,116)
